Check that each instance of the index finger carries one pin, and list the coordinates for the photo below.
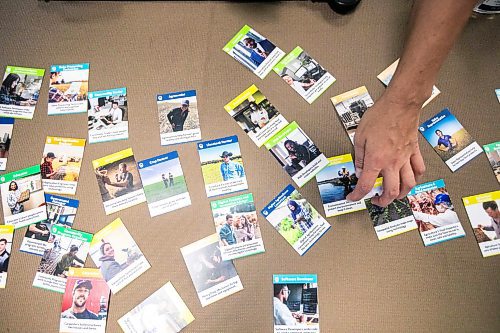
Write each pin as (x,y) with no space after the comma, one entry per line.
(364,185)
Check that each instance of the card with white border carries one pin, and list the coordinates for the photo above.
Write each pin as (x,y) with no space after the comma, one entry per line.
(492,151)
(6,128)
(6,235)
(68,89)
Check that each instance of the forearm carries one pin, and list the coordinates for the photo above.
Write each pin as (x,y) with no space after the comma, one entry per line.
(434,27)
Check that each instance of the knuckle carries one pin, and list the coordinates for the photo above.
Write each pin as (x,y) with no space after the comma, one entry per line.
(392,192)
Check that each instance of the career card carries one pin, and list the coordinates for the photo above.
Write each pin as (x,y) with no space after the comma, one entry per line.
(116,254)
(436,217)
(118,180)
(164,183)
(60,165)
(335,182)
(23,199)
(295,219)
(213,278)
(108,115)
(295,303)
(222,166)
(393,220)
(254,51)
(484,217)
(304,74)
(69,249)
(387,74)
(60,211)
(256,115)
(237,226)
(487,7)
(68,89)
(85,302)
(163,311)
(297,154)
(450,140)
(350,107)
(6,235)
(497,92)
(492,151)
(179,119)
(20,91)
(6,127)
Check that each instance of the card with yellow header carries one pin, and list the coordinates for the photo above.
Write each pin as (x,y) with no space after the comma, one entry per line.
(6,235)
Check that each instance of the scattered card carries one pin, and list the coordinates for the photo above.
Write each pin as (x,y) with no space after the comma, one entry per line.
(179,119)
(222,166)
(295,303)
(163,311)
(6,127)
(60,211)
(487,7)
(393,220)
(116,254)
(20,91)
(60,166)
(492,151)
(237,226)
(295,219)
(256,115)
(386,77)
(108,115)
(297,154)
(23,199)
(85,302)
(213,278)
(450,140)
(484,217)
(436,217)
(351,106)
(6,235)
(69,85)
(254,51)
(304,74)
(497,92)
(119,182)
(164,183)
(69,249)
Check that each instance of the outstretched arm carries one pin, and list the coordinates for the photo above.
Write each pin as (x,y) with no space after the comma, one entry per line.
(386,140)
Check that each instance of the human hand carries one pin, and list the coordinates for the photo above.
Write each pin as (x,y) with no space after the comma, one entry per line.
(386,143)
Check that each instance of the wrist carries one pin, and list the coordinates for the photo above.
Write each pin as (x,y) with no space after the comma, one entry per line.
(408,94)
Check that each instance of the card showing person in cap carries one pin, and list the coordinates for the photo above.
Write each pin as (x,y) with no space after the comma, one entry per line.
(78,310)
(179,121)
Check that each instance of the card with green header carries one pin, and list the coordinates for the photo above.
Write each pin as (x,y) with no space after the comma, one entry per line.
(254,51)
(20,91)
(23,198)
(297,154)
(304,74)
(492,151)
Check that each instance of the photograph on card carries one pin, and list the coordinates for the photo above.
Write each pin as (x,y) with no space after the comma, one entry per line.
(6,128)
(20,91)
(236,224)
(295,219)
(449,139)
(484,217)
(256,115)
(213,278)
(222,166)
(304,74)
(434,212)
(6,235)
(23,198)
(295,303)
(61,163)
(117,255)
(351,106)
(68,88)
(164,183)
(85,302)
(60,211)
(254,51)
(163,311)
(108,115)
(179,119)
(492,151)
(297,154)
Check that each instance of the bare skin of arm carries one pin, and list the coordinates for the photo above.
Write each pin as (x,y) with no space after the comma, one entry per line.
(386,140)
